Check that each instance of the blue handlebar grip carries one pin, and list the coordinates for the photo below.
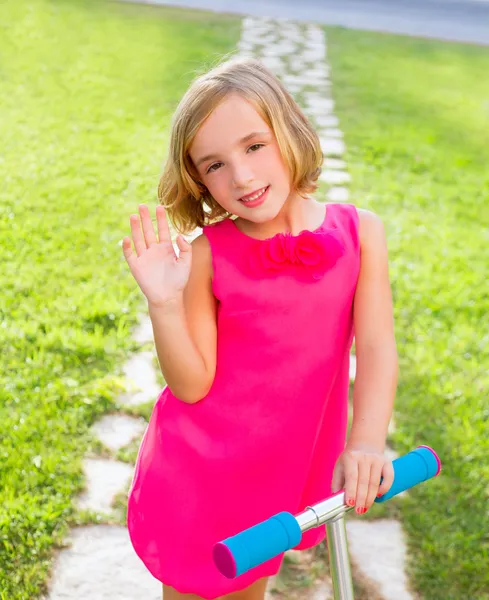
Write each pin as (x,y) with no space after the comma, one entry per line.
(252,547)
(412,468)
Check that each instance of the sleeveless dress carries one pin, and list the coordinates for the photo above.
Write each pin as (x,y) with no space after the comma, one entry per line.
(266,437)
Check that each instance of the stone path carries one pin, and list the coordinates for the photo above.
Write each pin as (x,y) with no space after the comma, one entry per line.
(98,561)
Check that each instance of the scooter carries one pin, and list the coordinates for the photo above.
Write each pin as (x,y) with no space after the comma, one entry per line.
(283,531)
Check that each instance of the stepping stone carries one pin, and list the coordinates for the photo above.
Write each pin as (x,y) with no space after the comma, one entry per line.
(299,79)
(105,479)
(338,194)
(116,431)
(332,146)
(323,592)
(334,163)
(378,550)
(273,63)
(245,54)
(190,237)
(320,105)
(296,64)
(141,380)
(353,367)
(280,49)
(317,72)
(335,177)
(322,85)
(244,44)
(143,333)
(313,54)
(327,120)
(101,564)
(270,39)
(332,133)
(315,97)
(392,455)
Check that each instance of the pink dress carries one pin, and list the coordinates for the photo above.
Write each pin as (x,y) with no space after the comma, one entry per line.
(267,436)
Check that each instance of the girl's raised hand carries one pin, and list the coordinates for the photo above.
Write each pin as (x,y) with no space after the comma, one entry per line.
(359,470)
(161,275)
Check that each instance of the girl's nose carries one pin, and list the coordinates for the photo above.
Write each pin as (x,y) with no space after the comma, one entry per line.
(242,176)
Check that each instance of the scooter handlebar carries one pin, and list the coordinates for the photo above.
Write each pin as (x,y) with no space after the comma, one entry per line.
(259,543)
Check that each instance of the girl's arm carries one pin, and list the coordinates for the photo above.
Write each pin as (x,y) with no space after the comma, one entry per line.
(362,464)
(185,331)
(375,345)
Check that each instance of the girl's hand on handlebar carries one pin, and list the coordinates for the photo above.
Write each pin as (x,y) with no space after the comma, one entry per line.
(161,275)
(359,470)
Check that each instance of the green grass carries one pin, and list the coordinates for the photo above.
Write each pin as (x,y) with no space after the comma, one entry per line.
(86,93)
(416,120)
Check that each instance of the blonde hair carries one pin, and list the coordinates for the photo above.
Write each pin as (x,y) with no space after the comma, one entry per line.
(187,201)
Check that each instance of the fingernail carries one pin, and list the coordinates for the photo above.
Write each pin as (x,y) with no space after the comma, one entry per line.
(360,510)
(379,495)
(350,502)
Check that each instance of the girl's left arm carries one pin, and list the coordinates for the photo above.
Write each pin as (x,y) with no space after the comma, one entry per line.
(362,463)
(375,345)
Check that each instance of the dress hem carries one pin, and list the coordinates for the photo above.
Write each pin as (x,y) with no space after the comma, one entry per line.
(181,590)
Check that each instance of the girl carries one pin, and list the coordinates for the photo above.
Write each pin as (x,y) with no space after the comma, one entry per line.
(253,324)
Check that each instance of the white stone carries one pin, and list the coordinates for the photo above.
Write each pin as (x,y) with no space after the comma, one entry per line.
(292,35)
(313,41)
(105,479)
(320,105)
(116,431)
(335,177)
(392,455)
(326,120)
(313,54)
(338,194)
(245,45)
(280,49)
(273,63)
(315,97)
(296,64)
(143,332)
(101,564)
(332,147)
(193,234)
(353,367)
(378,549)
(334,163)
(270,39)
(392,426)
(300,79)
(331,133)
(318,71)
(324,591)
(141,380)
(245,54)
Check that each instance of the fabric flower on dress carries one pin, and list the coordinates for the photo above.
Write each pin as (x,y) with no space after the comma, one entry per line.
(311,252)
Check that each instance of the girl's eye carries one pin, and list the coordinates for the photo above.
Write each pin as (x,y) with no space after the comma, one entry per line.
(211,168)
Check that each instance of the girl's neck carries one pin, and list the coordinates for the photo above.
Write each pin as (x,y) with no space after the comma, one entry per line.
(296,214)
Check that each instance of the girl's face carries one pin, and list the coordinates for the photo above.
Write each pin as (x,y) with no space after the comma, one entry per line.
(236,154)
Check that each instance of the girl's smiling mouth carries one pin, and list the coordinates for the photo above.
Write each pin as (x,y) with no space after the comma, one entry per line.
(256,198)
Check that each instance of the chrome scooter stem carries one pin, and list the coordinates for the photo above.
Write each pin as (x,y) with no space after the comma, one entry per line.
(332,512)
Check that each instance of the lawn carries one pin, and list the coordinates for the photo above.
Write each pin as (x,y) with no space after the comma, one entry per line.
(416,120)
(86,93)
